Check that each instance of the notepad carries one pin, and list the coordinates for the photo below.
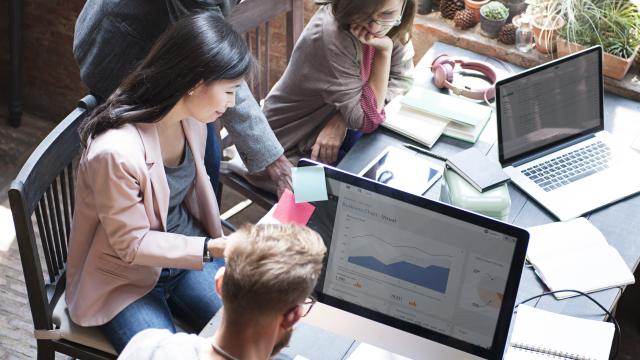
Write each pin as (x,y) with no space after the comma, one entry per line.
(413,124)
(289,212)
(473,166)
(540,334)
(575,255)
(309,184)
(447,107)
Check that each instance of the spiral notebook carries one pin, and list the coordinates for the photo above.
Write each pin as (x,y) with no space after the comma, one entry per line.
(540,334)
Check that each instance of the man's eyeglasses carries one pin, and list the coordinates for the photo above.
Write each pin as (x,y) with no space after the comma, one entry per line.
(306,306)
(391,23)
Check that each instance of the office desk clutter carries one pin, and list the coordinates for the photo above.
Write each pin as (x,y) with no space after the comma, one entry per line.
(575,255)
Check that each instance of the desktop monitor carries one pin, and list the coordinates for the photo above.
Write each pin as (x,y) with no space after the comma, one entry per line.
(418,265)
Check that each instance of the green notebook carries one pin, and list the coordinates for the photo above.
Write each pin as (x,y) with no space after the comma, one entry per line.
(447,107)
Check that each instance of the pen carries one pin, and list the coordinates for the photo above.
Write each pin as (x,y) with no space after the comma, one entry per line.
(424,151)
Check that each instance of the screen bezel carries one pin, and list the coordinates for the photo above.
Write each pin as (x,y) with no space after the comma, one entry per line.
(531,72)
(496,350)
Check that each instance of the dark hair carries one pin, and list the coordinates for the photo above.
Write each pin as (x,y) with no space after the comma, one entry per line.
(201,47)
(349,12)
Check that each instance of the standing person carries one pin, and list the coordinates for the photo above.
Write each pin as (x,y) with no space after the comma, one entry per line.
(351,59)
(113,36)
(146,224)
(265,288)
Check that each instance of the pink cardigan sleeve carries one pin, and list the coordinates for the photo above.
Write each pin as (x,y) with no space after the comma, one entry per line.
(368,102)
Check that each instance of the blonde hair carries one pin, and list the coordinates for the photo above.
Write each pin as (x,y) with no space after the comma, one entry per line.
(270,268)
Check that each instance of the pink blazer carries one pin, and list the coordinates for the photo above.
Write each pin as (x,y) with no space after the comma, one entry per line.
(118,243)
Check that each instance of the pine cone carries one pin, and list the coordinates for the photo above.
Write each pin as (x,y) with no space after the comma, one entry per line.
(465,19)
(638,58)
(448,8)
(507,34)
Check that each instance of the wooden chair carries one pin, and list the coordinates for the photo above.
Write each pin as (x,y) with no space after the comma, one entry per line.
(253,18)
(43,193)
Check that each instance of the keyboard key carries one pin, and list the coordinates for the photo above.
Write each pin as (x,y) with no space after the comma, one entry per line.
(580,176)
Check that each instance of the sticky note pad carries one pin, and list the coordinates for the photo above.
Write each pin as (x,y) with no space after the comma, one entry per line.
(289,212)
(309,184)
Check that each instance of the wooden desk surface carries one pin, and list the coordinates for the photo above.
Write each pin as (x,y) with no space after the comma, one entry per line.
(619,222)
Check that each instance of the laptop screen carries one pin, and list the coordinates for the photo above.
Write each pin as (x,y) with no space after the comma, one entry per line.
(549,104)
(418,265)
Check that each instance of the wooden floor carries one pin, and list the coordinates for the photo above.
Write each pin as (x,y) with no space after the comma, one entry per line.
(16,328)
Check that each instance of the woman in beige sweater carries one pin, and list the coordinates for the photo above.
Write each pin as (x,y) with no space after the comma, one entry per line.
(351,59)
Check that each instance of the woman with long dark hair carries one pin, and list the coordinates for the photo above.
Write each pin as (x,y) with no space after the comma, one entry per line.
(146,221)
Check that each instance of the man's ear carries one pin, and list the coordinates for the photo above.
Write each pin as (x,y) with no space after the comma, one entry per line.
(219,276)
(290,318)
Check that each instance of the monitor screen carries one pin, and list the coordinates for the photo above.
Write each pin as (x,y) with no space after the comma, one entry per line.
(550,104)
(419,265)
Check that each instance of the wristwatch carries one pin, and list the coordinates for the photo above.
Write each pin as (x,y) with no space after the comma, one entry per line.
(206,256)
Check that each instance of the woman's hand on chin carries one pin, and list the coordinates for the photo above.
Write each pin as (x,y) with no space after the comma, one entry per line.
(381,43)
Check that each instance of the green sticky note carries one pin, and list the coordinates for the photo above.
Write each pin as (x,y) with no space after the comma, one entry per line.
(309,184)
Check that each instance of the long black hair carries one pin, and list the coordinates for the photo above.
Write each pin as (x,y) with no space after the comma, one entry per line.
(201,47)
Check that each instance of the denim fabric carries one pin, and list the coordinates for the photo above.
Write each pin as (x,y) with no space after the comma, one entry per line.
(349,140)
(213,156)
(187,295)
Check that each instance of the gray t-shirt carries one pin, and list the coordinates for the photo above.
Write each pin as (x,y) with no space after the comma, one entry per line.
(180,180)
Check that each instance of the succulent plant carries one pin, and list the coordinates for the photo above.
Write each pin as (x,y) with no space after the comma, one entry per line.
(494,11)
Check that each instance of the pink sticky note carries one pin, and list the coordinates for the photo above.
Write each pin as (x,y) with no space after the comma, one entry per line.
(288,212)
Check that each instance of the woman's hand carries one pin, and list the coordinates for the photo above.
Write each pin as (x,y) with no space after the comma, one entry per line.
(328,142)
(384,43)
(216,246)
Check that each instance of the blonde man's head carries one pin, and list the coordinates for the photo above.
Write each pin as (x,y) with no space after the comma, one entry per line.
(270,268)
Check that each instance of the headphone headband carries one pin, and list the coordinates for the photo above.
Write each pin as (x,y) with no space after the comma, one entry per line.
(443,67)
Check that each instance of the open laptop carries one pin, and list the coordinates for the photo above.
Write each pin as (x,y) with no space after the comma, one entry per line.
(418,265)
(552,141)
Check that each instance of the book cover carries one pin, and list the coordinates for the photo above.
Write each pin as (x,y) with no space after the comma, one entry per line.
(482,173)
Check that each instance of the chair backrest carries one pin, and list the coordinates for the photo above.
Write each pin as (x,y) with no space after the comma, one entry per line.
(43,193)
(252,18)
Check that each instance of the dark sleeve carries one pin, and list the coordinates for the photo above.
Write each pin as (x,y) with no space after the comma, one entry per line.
(179,8)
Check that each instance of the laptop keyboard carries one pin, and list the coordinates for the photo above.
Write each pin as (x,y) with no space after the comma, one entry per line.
(570,167)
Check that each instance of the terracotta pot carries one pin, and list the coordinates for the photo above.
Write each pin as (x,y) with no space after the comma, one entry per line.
(475,7)
(612,66)
(546,32)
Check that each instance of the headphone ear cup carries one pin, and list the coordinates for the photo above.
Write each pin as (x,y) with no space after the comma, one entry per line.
(448,71)
(439,76)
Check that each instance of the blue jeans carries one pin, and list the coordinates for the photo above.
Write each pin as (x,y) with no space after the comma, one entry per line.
(213,156)
(189,295)
(350,139)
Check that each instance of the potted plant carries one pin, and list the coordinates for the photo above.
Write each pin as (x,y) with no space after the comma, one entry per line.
(614,24)
(547,20)
(492,17)
(516,7)
(475,6)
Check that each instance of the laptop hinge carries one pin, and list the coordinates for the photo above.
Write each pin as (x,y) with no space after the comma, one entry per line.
(552,150)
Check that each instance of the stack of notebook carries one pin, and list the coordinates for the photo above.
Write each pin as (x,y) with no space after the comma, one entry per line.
(424,116)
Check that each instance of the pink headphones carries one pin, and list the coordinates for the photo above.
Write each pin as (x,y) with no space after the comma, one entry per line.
(442,69)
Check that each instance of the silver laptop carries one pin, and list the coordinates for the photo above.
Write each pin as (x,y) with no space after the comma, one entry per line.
(552,141)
